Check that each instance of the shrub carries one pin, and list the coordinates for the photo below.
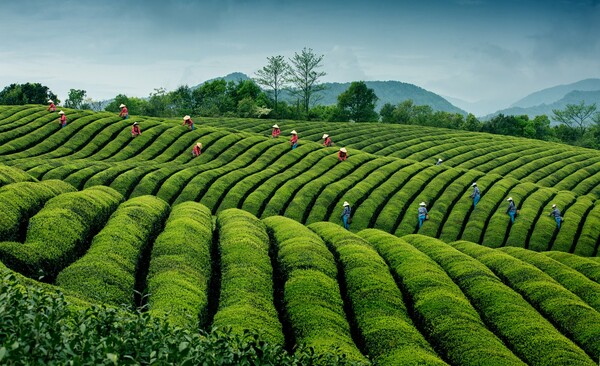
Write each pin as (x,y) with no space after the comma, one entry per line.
(59,233)
(577,283)
(246,299)
(573,317)
(529,216)
(499,224)
(313,303)
(587,266)
(180,267)
(9,174)
(586,243)
(107,336)
(442,311)
(107,272)
(20,201)
(379,311)
(528,334)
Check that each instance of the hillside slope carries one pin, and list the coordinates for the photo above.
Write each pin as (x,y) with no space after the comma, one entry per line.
(554,94)
(369,295)
(389,172)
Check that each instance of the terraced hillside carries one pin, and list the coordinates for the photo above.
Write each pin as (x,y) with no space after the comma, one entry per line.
(390,170)
(370,295)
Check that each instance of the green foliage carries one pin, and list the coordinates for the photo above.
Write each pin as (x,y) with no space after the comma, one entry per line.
(503,310)
(572,316)
(575,116)
(246,299)
(60,232)
(358,103)
(577,283)
(107,336)
(106,273)
(377,306)
(20,201)
(29,93)
(180,267)
(135,106)
(9,174)
(312,299)
(442,311)
(75,99)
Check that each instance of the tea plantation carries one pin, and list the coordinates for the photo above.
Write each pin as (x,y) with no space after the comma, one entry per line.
(241,250)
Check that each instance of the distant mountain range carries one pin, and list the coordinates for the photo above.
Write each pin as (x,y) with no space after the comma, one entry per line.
(544,101)
(393,92)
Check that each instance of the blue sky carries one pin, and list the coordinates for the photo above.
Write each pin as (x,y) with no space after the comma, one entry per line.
(468,49)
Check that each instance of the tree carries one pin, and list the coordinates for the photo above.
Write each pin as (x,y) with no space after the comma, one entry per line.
(358,102)
(575,116)
(387,113)
(274,76)
(181,101)
(471,123)
(135,106)
(75,99)
(29,93)
(305,77)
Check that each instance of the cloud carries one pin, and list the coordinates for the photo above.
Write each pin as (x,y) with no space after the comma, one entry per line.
(342,64)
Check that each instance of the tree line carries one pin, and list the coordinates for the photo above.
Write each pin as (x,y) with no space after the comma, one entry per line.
(299,77)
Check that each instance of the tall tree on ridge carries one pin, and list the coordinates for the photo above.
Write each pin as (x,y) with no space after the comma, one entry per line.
(305,77)
(274,76)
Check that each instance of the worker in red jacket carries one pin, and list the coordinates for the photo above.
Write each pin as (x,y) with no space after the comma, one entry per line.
(124,112)
(51,107)
(342,154)
(327,142)
(197,150)
(135,130)
(63,119)
(187,120)
(294,140)
(276,131)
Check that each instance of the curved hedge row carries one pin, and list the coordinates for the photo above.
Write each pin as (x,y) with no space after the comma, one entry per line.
(572,316)
(246,299)
(180,267)
(107,271)
(313,304)
(377,306)
(577,283)
(262,175)
(9,174)
(503,310)
(444,313)
(20,201)
(59,233)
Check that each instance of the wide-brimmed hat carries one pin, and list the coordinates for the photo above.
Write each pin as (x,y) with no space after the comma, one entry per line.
(186,118)
(346,203)
(61,112)
(135,123)
(554,205)
(325,136)
(440,160)
(474,184)
(294,132)
(275,126)
(509,199)
(343,149)
(50,101)
(199,144)
(122,105)
(422,204)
